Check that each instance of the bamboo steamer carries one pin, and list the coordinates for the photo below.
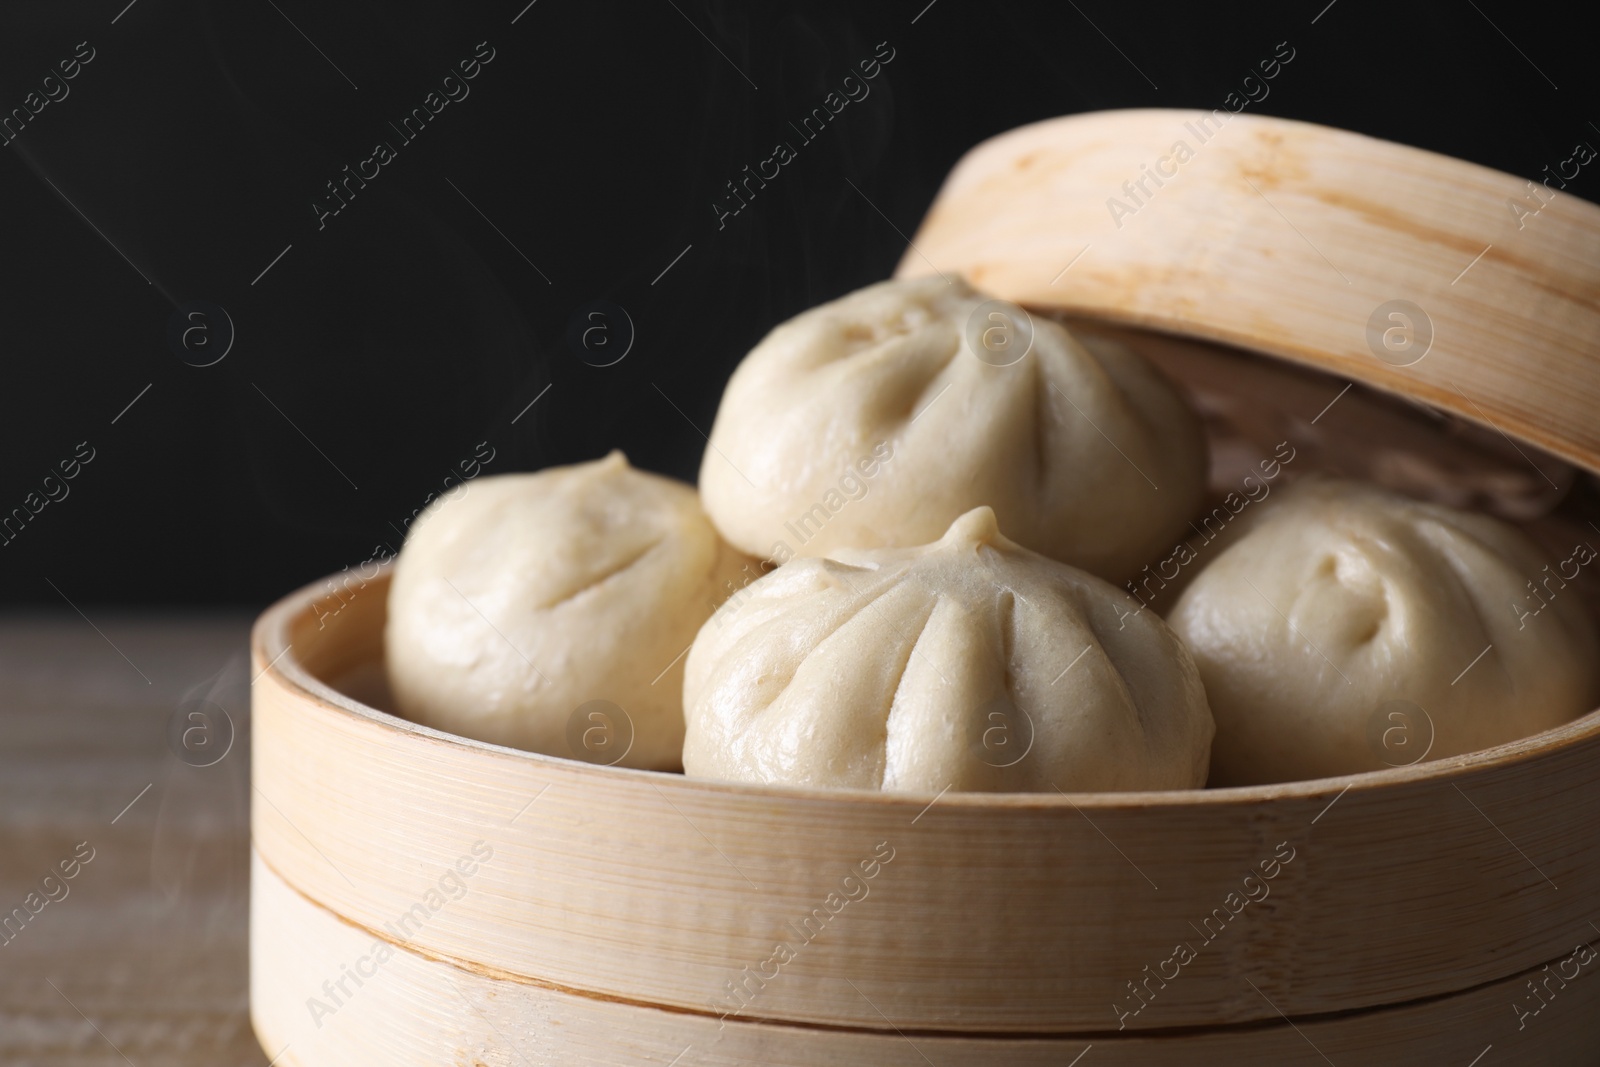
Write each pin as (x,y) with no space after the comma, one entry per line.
(602,915)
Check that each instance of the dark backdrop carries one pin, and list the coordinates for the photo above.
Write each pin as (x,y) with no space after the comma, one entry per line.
(189,152)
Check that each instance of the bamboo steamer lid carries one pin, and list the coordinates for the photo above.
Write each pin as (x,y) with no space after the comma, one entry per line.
(1297,241)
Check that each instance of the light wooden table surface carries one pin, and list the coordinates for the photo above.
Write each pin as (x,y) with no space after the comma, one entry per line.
(143,962)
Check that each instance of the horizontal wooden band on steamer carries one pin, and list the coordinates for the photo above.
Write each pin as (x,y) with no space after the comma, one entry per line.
(411,1011)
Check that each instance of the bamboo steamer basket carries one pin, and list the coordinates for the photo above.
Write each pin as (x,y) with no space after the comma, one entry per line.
(1426,911)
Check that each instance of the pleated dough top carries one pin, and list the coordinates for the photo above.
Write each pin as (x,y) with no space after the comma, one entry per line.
(970,664)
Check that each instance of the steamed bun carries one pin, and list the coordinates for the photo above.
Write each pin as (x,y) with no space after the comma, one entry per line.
(1343,632)
(547,611)
(969,664)
(876,420)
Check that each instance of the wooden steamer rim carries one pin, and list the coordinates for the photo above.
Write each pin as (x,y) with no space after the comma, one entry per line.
(999,914)
(1286,238)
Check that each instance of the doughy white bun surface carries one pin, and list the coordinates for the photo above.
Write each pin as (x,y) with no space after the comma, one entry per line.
(1353,629)
(969,664)
(872,421)
(522,597)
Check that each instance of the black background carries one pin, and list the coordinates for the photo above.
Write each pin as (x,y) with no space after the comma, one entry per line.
(378,351)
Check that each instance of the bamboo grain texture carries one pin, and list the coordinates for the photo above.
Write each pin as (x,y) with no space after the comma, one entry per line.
(428,1012)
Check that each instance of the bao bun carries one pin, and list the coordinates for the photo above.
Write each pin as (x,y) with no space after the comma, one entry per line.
(967,664)
(1084,451)
(547,611)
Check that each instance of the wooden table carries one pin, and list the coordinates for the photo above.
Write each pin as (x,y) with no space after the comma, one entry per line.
(143,961)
